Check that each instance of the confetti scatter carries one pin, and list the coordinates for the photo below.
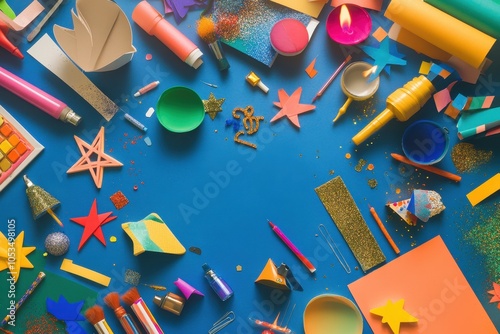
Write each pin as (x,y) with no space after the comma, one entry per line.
(466,157)
(239,268)
(484,237)
(132,277)
(112,238)
(149,56)
(348,155)
(119,200)
(150,112)
(372,183)
(195,250)
(46,323)
(360,165)
(370,167)
(147,140)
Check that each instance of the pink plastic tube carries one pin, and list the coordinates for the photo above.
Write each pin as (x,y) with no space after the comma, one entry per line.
(151,21)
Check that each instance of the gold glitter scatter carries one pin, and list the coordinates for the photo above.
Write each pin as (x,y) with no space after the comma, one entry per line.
(345,214)
(156,287)
(239,268)
(398,191)
(360,165)
(466,157)
(348,155)
(112,238)
(370,167)
(331,172)
(413,244)
(250,123)
(372,183)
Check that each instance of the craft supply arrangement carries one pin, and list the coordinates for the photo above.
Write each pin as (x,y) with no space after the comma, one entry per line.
(250,166)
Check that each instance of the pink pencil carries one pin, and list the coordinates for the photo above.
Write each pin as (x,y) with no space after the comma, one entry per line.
(292,247)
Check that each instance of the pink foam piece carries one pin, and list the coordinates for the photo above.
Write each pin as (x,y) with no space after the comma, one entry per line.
(289,37)
(186,289)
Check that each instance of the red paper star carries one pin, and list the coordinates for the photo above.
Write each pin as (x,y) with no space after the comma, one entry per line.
(100,159)
(92,224)
(290,106)
(496,294)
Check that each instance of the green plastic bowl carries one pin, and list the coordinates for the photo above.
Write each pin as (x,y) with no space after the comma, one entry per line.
(180,109)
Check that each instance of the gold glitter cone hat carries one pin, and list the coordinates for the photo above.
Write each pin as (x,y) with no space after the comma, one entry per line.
(41,202)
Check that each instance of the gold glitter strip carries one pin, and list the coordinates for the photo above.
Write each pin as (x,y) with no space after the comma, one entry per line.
(241,141)
(345,214)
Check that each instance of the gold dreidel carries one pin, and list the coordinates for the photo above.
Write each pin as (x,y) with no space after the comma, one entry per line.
(356,84)
(41,202)
(401,104)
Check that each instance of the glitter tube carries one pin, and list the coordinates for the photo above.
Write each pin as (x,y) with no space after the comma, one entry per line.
(151,21)
(144,315)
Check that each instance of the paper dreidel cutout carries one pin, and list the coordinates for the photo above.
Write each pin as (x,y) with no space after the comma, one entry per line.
(153,235)
(401,208)
(101,40)
(270,277)
(425,203)
(186,289)
(393,314)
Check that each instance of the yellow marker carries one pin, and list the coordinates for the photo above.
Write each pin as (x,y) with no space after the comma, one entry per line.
(68,266)
(401,104)
(484,190)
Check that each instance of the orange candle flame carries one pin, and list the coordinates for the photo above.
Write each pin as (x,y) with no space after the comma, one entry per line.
(345,19)
(370,71)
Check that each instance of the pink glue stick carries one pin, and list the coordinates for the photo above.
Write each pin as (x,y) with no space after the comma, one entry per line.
(151,21)
(37,97)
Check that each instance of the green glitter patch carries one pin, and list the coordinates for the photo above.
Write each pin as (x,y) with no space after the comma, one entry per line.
(485,238)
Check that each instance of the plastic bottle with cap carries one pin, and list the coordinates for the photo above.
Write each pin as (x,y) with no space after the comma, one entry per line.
(151,21)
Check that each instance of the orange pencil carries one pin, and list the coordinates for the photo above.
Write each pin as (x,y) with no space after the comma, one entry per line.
(431,169)
(383,229)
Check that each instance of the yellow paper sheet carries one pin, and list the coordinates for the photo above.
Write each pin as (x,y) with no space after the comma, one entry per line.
(311,8)
(442,30)
(68,266)
(485,190)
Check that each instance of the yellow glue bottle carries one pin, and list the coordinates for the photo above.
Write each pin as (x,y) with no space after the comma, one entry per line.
(401,104)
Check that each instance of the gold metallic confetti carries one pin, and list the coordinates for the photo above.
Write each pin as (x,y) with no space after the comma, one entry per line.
(348,155)
(213,106)
(345,214)
(239,268)
(360,165)
(466,157)
(155,287)
(372,183)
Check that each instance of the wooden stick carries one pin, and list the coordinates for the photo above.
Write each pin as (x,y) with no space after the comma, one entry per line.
(431,169)
(384,230)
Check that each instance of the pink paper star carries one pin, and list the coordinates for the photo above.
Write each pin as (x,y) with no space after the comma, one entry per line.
(92,224)
(93,159)
(495,293)
(290,106)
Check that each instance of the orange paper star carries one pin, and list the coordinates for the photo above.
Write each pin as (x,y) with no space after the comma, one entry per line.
(495,294)
(92,224)
(290,106)
(93,158)
(20,260)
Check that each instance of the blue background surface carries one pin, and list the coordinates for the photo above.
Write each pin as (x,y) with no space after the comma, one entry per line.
(274,182)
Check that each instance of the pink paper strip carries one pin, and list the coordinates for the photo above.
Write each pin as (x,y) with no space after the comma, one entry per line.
(442,99)
(488,101)
(24,18)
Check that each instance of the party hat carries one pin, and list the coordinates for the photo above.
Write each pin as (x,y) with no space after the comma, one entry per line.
(41,202)
(270,277)
(186,289)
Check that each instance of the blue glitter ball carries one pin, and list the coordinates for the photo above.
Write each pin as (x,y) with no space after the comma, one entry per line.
(57,243)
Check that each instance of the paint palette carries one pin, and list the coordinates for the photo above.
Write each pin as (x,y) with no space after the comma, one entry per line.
(17,148)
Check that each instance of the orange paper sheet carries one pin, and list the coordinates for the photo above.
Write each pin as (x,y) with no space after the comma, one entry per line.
(434,289)
(441,30)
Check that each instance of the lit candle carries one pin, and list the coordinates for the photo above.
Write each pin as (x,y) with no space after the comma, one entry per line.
(348,24)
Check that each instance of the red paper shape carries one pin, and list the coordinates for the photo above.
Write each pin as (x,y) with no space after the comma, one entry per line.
(495,294)
(92,224)
(290,106)
(93,159)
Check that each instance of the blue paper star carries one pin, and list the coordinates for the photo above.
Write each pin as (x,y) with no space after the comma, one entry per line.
(383,57)
(67,312)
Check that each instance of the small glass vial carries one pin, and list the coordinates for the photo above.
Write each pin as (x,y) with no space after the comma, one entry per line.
(217,283)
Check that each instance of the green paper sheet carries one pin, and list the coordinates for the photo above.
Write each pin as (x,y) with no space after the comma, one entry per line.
(32,316)
(483,15)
